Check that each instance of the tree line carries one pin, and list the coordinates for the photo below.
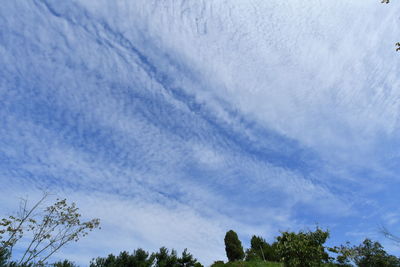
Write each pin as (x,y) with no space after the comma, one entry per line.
(307,249)
(45,230)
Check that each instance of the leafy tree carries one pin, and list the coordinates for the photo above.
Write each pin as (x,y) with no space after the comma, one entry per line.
(367,254)
(141,258)
(166,259)
(233,246)
(65,263)
(346,254)
(372,254)
(187,260)
(218,264)
(4,257)
(303,249)
(46,230)
(109,261)
(257,249)
(261,250)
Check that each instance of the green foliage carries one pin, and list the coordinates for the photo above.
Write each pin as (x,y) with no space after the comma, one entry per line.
(166,259)
(372,254)
(233,246)
(4,257)
(187,260)
(367,254)
(303,249)
(261,250)
(346,254)
(56,225)
(247,264)
(65,263)
(141,258)
(15,264)
(218,264)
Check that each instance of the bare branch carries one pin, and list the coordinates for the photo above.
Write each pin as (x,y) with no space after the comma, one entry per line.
(25,215)
(390,235)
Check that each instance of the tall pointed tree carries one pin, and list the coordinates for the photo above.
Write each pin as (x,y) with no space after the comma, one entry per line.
(233,246)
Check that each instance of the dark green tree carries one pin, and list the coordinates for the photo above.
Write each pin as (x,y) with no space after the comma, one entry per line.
(303,249)
(218,264)
(141,258)
(367,254)
(258,247)
(4,257)
(260,250)
(233,246)
(166,259)
(187,260)
(64,263)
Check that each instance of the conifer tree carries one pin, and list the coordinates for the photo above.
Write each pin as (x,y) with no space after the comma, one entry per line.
(233,246)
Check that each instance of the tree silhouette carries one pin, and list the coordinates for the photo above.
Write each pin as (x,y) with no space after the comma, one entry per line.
(233,246)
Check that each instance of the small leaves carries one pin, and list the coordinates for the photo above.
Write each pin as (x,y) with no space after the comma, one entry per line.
(51,229)
(305,248)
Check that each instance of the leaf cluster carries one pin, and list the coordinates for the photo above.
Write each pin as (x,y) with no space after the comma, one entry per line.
(261,250)
(141,258)
(303,249)
(46,230)
(367,254)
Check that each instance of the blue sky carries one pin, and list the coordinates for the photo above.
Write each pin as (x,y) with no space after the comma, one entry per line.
(174,121)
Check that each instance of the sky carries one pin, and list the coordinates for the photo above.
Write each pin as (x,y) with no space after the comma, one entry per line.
(175,121)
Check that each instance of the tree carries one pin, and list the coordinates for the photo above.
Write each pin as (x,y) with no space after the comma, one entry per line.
(218,264)
(64,263)
(141,258)
(233,246)
(346,254)
(258,247)
(187,260)
(261,250)
(46,230)
(166,259)
(303,249)
(4,257)
(367,254)
(372,254)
